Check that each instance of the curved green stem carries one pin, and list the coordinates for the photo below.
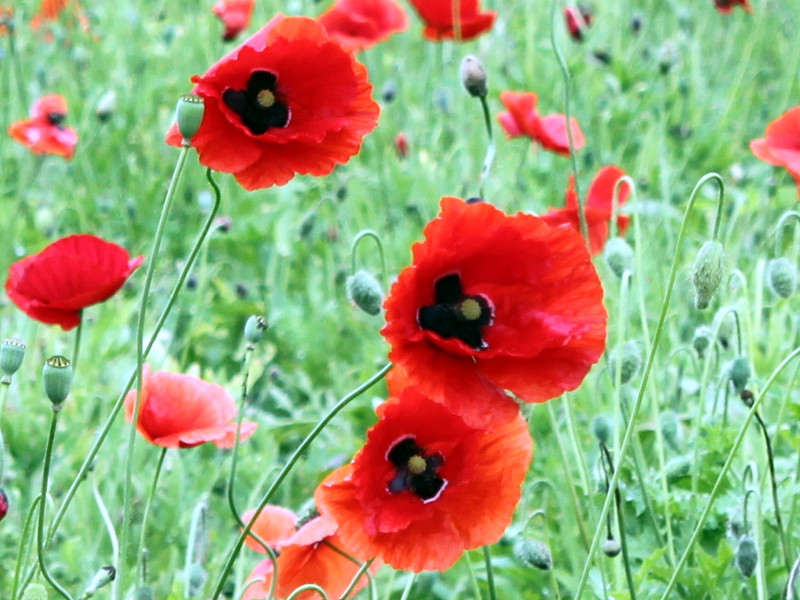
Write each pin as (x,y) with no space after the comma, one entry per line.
(112,534)
(363,569)
(308,587)
(146,515)
(490,148)
(25,537)
(356,240)
(248,356)
(615,202)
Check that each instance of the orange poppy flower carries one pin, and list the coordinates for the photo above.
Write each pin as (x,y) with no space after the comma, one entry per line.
(726,6)
(274,525)
(439,22)
(182,411)
(599,201)
(265,119)
(235,15)
(781,146)
(359,24)
(44,132)
(522,119)
(426,486)
(494,302)
(51,10)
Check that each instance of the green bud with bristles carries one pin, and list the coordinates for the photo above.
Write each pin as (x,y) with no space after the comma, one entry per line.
(189,115)
(746,556)
(365,292)
(701,340)
(57,379)
(782,277)
(12,351)
(254,329)
(618,255)
(740,373)
(35,591)
(533,553)
(629,357)
(708,272)
(601,427)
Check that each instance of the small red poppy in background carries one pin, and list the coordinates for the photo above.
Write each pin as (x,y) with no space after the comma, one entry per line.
(522,119)
(274,525)
(426,486)
(235,15)
(578,19)
(56,284)
(3,504)
(52,10)
(360,24)
(310,556)
(440,24)
(401,145)
(265,117)
(494,302)
(44,132)
(598,208)
(781,146)
(182,411)
(6,18)
(726,6)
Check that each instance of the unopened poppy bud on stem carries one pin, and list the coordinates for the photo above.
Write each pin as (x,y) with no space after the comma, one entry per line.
(746,556)
(701,340)
(601,427)
(189,115)
(255,328)
(101,579)
(12,351)
(618,255)
(782,277)
(629,357)
(708,272)
(57,379)
(365,292)
(534,553)
(740,373)
(473,76)
(611,547)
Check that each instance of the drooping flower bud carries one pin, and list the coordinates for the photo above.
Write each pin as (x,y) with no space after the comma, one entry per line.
(533,553)
(708,272)
(782,277)
(740,373)
(365,292)
(3,504)
(12,351)
(106,105)
(57,379)
(101,579)
(701,340)
(189,115)
(746,556)
(670,428)
(629,357)
(618,255)
(255,328)
(601,427)
(473,76)
(611,547)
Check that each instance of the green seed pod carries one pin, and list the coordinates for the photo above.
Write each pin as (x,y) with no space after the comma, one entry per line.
(701,340)
(365,292)
(611,547)
(782,277)
(629,357)
(740,373)
(601,427)
(618,255)
(35,591)
(708,272)
(254,329)
(101,579)
(746,556)
(189,115)
(533,553)
(12,351)
(473,76)
(57,379)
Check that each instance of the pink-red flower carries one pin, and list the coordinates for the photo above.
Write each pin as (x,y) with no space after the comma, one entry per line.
(726,6)
(3,504)
(494,302)
(578,19)
(469,22)
(56,284)
(426,486)
(289,100)
(359,24)
(182,411)
(781,146)
(522,119)
(45,132)
(235,15)
(599,202)
(274,526)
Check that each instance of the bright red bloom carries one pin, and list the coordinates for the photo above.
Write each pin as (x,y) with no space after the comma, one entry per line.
(182,411)
(781,146)
(426,486)
(56,284)
(599,202)
(359,24)
(578,20)
(401,145)
(274,525)
(3,504)
(726,6)
(44,132)
(494,302)
(289,100)
(522,118)
(439,22)
(51,10)
(235,15)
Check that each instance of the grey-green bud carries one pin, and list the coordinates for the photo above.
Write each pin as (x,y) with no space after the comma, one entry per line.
(628,356)
(101,579)
(708,272)
(746,556)
(35,591)
(782,277)
(473,76)
(618,255)
(601,427)
(144,592)
(611,547)
(189,115)
(670,428)
(255,328)
(701,340)
(365,292)
(740,373)
(533,553)
(57,379)
(12,351)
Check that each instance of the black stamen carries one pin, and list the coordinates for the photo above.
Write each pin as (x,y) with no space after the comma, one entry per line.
(453,314)
(248,103)
(426,484)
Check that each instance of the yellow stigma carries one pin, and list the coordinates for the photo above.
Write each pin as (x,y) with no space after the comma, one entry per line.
(265,98)
(416,465)
(470,309)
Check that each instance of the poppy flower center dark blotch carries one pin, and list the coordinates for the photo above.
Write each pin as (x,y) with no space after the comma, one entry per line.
(456,315)
(56,118)
(415,472)
(258,104)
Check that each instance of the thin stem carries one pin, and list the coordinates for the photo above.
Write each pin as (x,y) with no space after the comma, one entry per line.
(413,576)
(490,148)
(472,579)
(24,545)
(112,535)
(146,515)
(305,588)
(76,348)
(356,240)
(4,385)
(248,356)
(362,570)
(195,529)
(487,558)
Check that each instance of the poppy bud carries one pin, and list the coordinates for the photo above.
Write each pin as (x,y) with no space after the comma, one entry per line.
(747,397)
(106,105)
(746,556)
(701,340)
(618,255)
(533,553)
(197,579)
(254,329)
(629,358)
(35,591)
(473,76)
(144,592)
(782,277)
(190,111)
(365,292)
(708,272)
(3,504)
(611,547)
(739,373)
(401,145)
(101,579)
(12,351)
(57,379)
(601,427)
(670,428)
(389,91)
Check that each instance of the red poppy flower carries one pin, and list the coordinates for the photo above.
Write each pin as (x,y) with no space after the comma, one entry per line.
(578,20)
(726,6)
(235,15)
(56,284)
(439,22)
(44,132)
(359,24)
(494,302)
(550,131)
(51,10)
(265,117)
(781,146)
(274,525)
(401,144)
(182,411)
(599,201)
(3,504)
(426,486)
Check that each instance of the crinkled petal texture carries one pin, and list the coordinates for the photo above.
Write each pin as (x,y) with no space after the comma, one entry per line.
(56,284)
(439,22)
(522,119)
(182,411)
(360,24)
(275,525)
(44,132)
(235,15)
(325,92)
(548,325)
(482,471)
(781,146)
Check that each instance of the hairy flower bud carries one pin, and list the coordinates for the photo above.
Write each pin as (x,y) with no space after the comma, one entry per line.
(618,255)
(189,115)
(473,76)
(533,553)
(739,373)
(708,272)
(255,328)
(782,277)
(12,351)
(629,357)
(365,292)
(746,556)
(701,340)
(57,379)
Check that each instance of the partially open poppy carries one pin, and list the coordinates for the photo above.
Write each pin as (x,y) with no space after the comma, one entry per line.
(235,15)
(599,201)
(578,19)
(56,284)
(265,119)
(359,24)
(494,302)
(182,411)
(45,132)
(275,525)
(426,486)
(781,146)
(522,119)
(440,24)
(726,6)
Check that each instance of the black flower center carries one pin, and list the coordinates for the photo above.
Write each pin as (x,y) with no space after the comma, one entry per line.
(56,118)
(258,105)
(415,472)
(456,315)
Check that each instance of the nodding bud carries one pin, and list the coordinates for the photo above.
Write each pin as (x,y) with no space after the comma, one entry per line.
(255,328)
(611,547)
(197,579)
(601,427)
(782,277)
(12,351)
(670,428)
(35,591)
(101,579)
(618,255)
(629,357)
(3,504)
(708,272)
(740,373)
(533,553)
(701,340)
(746,556)
(106,105)
(365,292)
(189,115)
(57,379)
(473,76)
